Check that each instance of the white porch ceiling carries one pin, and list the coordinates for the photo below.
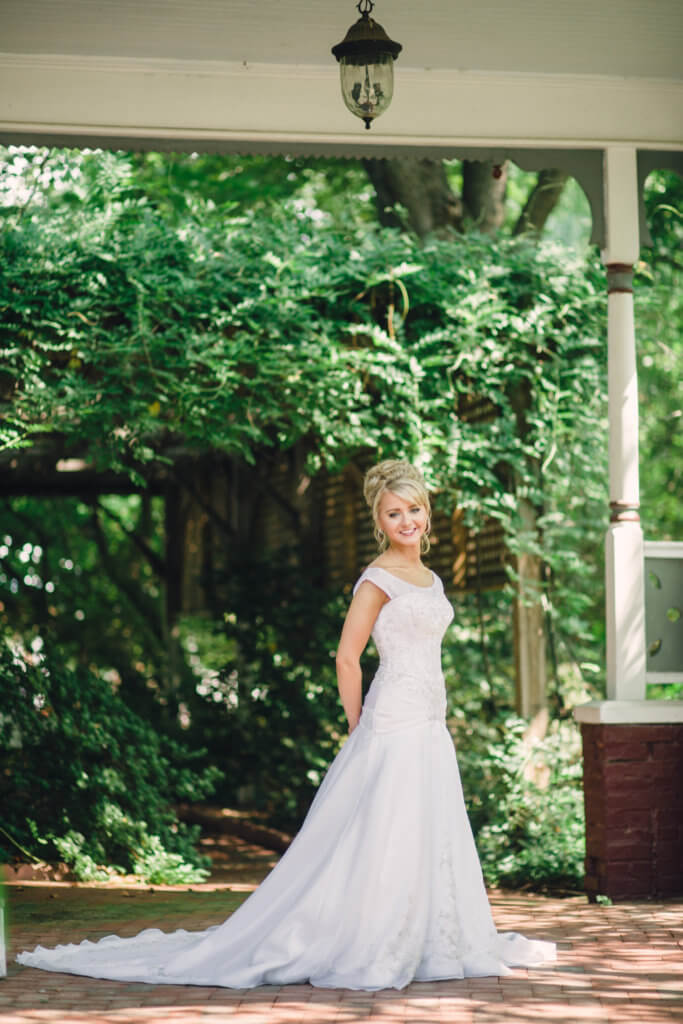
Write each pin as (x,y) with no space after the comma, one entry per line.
(629,38)
(246,75)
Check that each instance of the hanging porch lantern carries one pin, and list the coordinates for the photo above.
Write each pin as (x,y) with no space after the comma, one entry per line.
(366,58)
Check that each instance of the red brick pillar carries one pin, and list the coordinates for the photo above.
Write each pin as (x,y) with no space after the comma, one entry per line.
(633,793)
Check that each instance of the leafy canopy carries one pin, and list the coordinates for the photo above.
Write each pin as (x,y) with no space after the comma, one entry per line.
(129,332)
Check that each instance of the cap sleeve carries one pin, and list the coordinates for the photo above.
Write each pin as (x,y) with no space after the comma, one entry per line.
(379,577)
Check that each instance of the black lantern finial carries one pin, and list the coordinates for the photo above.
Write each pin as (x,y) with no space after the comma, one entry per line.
(366,58)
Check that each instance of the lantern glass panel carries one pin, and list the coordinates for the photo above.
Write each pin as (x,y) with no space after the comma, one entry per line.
(367,88)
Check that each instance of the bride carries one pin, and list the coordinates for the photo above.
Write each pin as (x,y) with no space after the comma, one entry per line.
(382,885)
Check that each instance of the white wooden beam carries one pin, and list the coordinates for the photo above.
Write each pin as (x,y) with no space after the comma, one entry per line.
(83,97)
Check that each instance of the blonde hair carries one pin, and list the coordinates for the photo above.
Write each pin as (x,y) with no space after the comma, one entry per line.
(400,478)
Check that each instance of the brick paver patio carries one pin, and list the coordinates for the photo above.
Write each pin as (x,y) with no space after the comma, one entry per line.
(618,964)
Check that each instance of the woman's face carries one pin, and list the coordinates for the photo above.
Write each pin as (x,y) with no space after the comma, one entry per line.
(402,520)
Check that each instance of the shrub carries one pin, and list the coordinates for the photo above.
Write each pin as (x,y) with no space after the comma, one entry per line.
(535,834)
(84,778)
(524,796)
(270,709)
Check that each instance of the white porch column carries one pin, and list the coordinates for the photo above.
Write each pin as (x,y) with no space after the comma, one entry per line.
(625,597)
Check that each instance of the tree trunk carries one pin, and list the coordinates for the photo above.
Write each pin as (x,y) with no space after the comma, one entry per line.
(529,623)
(200,532)
(541,202)
(220,511)
(416,194)
(483,194)
(528,611)
(421,188)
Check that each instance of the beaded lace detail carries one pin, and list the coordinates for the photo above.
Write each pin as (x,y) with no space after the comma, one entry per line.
(409,684)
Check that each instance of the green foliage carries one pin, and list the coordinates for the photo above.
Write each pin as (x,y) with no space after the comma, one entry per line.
(268,710)
(150,860)
(179,184)
(522,785)
(70,848)
(570,222)
(74,570)
(659,330)
(134,323)
(534,835)
(126,331)
(150,303)
(84,776)
(131,331)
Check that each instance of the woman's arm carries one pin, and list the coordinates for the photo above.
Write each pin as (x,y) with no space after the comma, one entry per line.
(358,624)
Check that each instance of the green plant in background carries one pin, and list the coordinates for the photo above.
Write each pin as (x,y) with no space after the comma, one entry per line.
(87,575)
(137,318)
(522,782)
(129,335)
(268,711)
(3,931)
(659,330)
(127,331)
(84,777)
(534,835)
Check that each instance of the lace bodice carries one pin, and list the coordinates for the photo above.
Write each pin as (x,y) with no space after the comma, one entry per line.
(409,685)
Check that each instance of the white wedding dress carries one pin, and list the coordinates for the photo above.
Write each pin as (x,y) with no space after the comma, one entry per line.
(382,885)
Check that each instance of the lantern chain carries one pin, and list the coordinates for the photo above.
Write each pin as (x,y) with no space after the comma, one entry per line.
(365,7)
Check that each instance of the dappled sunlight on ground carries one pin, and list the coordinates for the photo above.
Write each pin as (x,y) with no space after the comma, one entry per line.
(618,964)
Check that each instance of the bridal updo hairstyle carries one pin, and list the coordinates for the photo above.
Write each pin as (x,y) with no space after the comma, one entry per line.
(400,478)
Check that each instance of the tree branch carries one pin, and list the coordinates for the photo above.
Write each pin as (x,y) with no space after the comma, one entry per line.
(144,606)
(26,204)
(184,483)
(264,484)
(542,200)
(156,561)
